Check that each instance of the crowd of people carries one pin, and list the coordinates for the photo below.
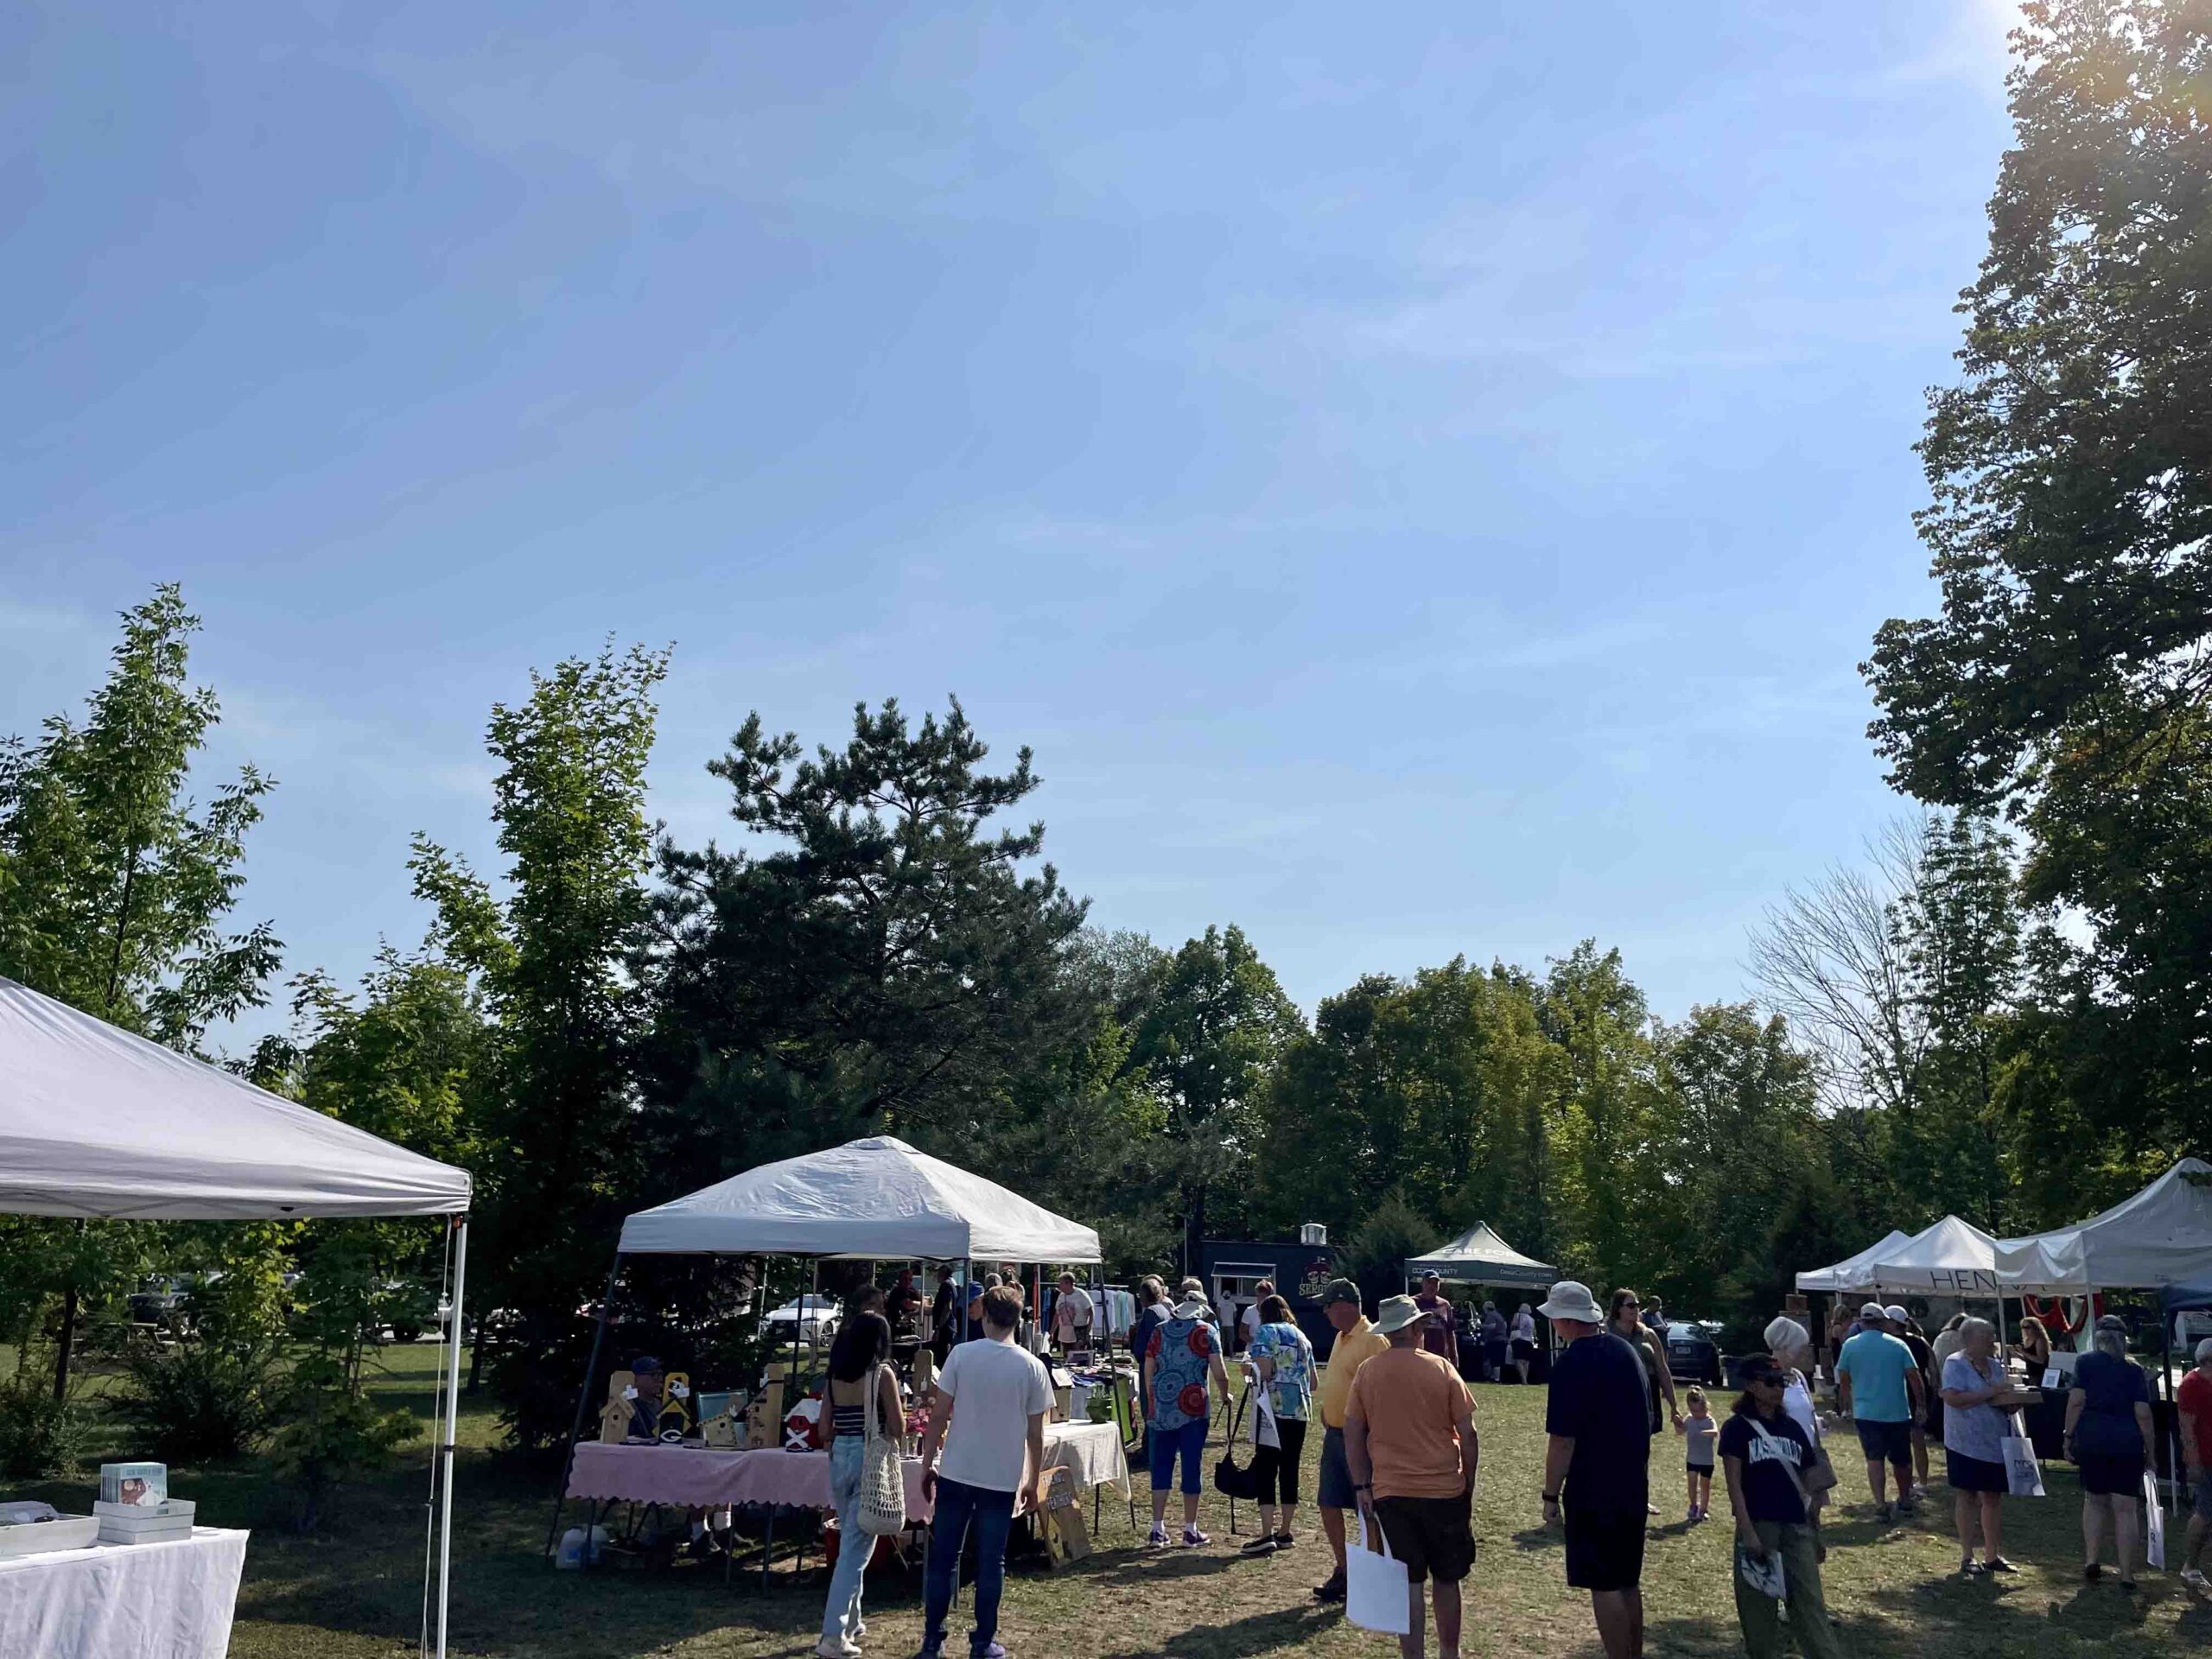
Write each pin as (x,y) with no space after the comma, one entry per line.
(1400,1447)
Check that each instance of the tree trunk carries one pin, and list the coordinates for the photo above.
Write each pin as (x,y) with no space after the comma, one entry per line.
(61,1350)
(1194,1226)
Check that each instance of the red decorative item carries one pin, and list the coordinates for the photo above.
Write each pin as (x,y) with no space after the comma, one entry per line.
(1199,1343)
(2064,1314)
(1193,1400)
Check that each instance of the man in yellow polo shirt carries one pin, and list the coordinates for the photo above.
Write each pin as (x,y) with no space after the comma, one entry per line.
(1357,1342)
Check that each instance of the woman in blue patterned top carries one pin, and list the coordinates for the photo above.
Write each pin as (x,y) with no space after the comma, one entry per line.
(1283,1360)
(1183,1353)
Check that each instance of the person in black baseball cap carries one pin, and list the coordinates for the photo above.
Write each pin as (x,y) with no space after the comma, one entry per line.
(1767,1457)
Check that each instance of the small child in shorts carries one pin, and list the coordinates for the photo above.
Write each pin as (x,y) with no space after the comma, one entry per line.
(1700,1435)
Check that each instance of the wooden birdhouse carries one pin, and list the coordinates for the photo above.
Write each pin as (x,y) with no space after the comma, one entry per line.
(614,1415)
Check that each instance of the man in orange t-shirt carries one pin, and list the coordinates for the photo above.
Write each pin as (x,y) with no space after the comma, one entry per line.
(1409,1439)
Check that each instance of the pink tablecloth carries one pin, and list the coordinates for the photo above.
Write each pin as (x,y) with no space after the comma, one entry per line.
(707,1479)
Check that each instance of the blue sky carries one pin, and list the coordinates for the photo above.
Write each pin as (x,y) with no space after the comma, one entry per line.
(1421,478)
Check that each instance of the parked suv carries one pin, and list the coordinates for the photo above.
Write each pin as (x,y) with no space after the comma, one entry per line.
(1692,1354)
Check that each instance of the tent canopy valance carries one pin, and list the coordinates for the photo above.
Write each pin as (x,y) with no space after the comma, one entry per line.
(1849,1274)
(1479,1256)
(876,1199)
(1952,1258)
(95,1121)
(2162,1235)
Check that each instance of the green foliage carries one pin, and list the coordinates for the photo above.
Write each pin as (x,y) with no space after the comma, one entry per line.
(1376,1254)
(552,1143)
(2066,676)
(332,1432)
(40,1437)
(114,886)
(1214,1030)
(882,961)
(200,1401)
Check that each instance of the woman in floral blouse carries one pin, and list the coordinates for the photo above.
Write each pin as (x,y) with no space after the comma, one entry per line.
(1283,1360)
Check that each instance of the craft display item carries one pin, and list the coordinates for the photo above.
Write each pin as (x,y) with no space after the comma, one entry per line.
(144,1484)
(614,1415)
(1065,1534)
(721,1420)
(764,1418)
(802,1427)
(674,1425)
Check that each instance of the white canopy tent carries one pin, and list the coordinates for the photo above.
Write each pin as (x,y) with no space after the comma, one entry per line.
(2163,1235)
(1479,1256)
(1848,1275)
(878,1200)
(99,1124)
(1952,1258)
(875,1199)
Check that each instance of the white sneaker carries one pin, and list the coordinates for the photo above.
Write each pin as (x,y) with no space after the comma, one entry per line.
(2195,1579)
(836,1646)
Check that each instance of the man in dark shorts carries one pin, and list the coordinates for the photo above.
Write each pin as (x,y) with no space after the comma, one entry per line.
(1596,1474)
(1409,1442)
(1357,1343)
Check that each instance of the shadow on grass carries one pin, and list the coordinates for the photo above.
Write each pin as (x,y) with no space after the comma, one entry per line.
(1290,1628)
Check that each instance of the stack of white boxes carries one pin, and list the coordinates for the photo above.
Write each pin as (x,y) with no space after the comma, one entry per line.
(135,1506)
(139,1523)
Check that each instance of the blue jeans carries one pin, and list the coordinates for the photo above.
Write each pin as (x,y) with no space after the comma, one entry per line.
(959,1506)
(840,1613)
(1190,1442)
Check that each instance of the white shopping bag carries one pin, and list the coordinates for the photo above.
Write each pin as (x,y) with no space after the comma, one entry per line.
(2154,1523)
(1376,1587)
(2022,1474)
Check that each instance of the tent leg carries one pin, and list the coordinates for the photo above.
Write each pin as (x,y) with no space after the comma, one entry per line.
(583,1398)
(453,1426)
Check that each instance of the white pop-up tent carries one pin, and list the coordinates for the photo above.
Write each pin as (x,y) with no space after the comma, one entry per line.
(1952,1258)
(99,1124)
(2163,1235)
(877,1198)
(874,1199)
(1849,1274)
(1479,1256)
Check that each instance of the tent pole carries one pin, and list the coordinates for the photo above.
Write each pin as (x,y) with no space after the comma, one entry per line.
(453,1424)
(583,1397)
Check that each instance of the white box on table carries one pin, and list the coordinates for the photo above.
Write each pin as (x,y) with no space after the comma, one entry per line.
(38,1537)
(130,1523)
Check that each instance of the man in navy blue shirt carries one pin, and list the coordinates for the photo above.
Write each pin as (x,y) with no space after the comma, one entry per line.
(1596,1465)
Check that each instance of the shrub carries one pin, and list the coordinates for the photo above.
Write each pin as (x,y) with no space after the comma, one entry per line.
(200,1401)
(330,1432)
(40,1436)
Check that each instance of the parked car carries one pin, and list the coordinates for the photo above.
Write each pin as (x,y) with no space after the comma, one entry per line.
(807,1319)
(1693,1355)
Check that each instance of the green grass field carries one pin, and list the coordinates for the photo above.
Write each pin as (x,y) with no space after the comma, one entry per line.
(354,1591)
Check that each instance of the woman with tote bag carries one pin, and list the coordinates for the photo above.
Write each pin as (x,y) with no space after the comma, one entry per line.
(863,1393)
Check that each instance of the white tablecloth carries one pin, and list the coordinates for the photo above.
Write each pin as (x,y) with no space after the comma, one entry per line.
(124,1601)
(1091,1451)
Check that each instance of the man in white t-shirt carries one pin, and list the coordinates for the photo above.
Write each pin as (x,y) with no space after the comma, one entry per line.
(1073,1314)
(994,1396)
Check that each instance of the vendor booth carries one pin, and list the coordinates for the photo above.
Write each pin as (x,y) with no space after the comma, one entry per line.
(2160,1238)
(1479,1256)
(874,1199)
(99,1124)
(2163,1235)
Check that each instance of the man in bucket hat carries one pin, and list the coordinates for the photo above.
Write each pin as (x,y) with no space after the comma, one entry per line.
(1596,1464)
(1409,1437)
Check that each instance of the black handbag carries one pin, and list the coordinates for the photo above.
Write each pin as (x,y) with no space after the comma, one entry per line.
(1231,1479)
